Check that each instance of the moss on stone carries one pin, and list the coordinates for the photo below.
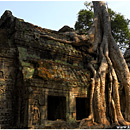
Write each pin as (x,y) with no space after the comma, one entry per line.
(23,54)
(28,72)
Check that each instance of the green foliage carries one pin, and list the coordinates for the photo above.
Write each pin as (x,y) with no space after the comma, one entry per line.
(85,19)
(119,25)
(120,30)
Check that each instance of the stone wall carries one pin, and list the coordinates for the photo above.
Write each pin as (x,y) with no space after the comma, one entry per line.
(34,67)
(8,73)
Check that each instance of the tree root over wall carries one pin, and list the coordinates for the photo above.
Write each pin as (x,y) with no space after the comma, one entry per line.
(111,67)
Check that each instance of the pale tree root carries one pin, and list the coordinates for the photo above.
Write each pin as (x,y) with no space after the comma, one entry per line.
(98,90)
(115,101)
(113,64)
(113,98)
(90,118)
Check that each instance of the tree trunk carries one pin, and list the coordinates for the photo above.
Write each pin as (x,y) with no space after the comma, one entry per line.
(111,62)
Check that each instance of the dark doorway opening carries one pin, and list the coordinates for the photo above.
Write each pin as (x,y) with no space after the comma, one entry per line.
(56,107)
(82,108)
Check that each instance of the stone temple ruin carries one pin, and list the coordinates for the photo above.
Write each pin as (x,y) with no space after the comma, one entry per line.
(44,83)
(41,80)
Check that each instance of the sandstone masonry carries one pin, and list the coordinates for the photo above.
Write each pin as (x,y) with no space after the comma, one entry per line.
(41,80)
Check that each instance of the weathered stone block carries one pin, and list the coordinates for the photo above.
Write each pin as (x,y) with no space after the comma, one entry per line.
(34,67)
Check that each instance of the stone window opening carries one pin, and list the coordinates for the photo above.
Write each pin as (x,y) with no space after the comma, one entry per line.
(1,74)
(82,108)
(56,108)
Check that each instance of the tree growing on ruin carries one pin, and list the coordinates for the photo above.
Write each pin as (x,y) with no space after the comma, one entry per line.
(110,71)
(112,68)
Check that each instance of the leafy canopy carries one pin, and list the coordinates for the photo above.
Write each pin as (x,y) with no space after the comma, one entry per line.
(119,25)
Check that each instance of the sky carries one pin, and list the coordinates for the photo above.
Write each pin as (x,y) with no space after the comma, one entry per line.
(55,14)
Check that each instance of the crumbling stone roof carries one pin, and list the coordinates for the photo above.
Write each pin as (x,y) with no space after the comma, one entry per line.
(43,57)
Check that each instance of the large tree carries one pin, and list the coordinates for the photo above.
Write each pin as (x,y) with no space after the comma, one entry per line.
(112,67)
(110,73)
(119,25)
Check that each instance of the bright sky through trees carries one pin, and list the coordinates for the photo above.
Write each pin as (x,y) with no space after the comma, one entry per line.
(54,14)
